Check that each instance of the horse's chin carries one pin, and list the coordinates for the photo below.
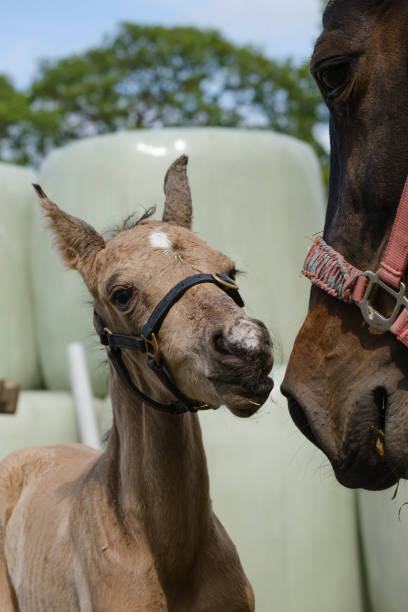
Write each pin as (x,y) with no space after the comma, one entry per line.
(368,477)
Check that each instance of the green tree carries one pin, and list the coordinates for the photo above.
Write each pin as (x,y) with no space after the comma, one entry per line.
(14,109)
(151,76)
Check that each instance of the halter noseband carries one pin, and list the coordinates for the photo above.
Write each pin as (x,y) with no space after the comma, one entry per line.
(327,269)
(147,342)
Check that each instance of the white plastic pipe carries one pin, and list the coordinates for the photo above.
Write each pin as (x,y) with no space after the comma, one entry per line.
(81,390)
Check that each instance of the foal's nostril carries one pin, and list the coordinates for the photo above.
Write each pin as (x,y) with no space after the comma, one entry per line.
(220,344)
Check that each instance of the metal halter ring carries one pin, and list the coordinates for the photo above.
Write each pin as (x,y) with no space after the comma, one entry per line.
(152,348)
(374,318)
(229,284)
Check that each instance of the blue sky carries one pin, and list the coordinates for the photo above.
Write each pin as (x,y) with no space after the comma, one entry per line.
(30,30)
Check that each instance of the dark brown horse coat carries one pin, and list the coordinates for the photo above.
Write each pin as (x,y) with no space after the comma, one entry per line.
(345,381)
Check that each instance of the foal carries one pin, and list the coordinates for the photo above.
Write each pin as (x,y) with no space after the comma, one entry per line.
(132,528)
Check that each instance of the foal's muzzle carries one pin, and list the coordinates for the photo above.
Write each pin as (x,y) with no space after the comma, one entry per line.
(148,342)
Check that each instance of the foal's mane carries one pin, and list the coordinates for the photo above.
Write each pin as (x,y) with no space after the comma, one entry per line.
(130,222)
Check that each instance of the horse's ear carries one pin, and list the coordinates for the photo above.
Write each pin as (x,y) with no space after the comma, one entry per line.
(77,241)
(178,207)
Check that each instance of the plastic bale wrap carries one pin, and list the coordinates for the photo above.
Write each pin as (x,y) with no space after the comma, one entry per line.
(384,527)
(18,355)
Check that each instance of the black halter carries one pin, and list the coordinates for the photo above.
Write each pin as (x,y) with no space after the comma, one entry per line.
(147,342)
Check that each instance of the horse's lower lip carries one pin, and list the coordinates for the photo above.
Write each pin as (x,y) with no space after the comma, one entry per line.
(365,471)
(368,469)
(361,466)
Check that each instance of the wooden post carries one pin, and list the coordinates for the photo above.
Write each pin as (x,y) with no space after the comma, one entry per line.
(8,397)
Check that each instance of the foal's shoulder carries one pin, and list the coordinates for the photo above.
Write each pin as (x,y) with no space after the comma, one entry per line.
(31,462)
(22,467)
(16,471)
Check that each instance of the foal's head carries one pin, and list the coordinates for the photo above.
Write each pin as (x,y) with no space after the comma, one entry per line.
(213,351)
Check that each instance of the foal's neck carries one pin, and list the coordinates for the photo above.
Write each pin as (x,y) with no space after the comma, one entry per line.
(157,473)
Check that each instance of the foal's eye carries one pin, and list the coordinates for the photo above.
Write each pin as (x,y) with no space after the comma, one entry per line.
(334,77)
(121,298)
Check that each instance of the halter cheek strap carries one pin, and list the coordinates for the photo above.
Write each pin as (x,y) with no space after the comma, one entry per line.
(395,262)
(147,343)
(329,271)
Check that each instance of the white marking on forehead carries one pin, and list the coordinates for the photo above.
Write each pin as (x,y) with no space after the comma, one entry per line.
(160,240)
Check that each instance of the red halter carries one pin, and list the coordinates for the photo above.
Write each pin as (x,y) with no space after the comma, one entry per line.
(329,270)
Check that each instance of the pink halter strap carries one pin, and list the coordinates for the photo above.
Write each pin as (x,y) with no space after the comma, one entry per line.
(395,261)
(327,269)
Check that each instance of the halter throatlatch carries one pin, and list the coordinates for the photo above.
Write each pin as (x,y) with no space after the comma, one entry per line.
(328,270)
(148,343)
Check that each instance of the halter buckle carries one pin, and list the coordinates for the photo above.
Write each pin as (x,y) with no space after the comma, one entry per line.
(372,316)
(152,348)
(103,335)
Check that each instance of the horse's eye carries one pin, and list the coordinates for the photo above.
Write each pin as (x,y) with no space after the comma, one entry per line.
(232,274)
(121,298)
(334,78)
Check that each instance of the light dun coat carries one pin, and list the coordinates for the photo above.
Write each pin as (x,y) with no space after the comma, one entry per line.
(132,528)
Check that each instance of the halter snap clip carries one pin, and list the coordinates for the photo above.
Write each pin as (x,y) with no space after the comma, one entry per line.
(370,314)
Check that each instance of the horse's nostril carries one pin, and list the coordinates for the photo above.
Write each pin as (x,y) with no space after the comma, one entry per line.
(299,417)
(220,344)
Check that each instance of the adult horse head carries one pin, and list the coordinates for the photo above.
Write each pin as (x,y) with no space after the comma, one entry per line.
(347,383)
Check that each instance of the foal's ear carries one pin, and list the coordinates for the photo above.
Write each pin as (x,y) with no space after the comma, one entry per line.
(178,207)
(77,242)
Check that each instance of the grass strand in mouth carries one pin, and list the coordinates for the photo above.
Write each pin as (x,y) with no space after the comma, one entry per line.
(380,447)
(379,442)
